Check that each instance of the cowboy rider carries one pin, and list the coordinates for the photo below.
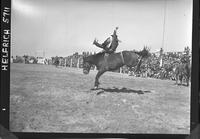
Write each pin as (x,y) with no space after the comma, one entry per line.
(110,44)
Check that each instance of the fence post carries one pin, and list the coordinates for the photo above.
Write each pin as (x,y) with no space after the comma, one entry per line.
(71,62)
(78,63)
(65,62)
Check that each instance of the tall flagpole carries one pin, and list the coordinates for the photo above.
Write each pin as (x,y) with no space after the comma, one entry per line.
(164,22)
(163,36)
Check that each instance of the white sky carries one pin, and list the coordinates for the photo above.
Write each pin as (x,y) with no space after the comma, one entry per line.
(62,27)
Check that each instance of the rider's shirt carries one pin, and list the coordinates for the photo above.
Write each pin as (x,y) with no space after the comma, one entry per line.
(114,44)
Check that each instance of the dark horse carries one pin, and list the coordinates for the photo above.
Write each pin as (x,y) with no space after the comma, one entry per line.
(183,71)
(113,62)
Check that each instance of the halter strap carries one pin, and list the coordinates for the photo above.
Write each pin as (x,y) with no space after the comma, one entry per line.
(122,57)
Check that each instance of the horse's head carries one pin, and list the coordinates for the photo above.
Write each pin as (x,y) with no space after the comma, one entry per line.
(86,65)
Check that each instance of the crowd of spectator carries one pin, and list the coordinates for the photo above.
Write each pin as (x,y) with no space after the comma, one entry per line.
(163,65)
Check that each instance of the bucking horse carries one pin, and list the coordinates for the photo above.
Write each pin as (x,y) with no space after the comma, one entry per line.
(114,61)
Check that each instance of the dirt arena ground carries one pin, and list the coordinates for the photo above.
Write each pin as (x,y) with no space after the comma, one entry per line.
(44,98)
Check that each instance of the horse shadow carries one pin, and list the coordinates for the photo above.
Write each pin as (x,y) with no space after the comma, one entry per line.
(121,90)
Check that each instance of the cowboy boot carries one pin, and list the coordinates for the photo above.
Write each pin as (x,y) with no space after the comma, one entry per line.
(97,44)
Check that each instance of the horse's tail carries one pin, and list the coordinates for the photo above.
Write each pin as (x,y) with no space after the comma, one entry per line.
(144,53)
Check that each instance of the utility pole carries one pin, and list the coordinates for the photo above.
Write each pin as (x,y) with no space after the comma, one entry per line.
(163,36)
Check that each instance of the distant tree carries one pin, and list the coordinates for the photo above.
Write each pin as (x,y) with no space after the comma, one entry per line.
(19,59)
(55,61)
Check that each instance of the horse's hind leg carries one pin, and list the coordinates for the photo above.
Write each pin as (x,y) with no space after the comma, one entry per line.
(96,83)
(177,78)
(131,70)
(187,80)
(181,79)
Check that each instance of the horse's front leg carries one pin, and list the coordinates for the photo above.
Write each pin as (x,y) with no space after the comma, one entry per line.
(96,84)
